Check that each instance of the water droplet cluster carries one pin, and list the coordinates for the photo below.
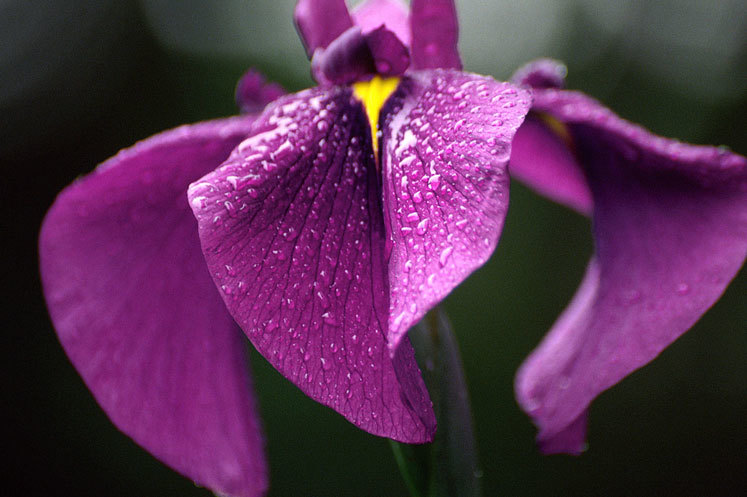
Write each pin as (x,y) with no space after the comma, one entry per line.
(446,143)
(293,232)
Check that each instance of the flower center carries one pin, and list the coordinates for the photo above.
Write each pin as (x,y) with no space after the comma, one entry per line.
(373,95)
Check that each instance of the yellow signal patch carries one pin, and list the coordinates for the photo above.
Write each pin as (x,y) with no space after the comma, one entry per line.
(373,95)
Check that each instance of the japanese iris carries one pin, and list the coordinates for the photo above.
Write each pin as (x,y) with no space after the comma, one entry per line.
(331,221)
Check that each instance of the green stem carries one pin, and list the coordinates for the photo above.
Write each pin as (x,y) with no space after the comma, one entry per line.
(449,465)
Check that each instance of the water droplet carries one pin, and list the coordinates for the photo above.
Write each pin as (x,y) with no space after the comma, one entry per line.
(444,257)
(434,181)
(422,227)
(683,289)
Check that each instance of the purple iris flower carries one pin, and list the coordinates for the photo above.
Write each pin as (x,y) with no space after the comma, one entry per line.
(330,222)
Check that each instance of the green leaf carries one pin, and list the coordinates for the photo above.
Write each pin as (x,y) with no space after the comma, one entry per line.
(449,465)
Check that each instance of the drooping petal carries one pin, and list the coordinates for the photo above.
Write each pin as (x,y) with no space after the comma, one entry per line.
(138,315)
(670,230)
(321,21)
(446,140)
(542,159)
(254,92)
(435,32)
(542,154)
(393,14)
(293,233)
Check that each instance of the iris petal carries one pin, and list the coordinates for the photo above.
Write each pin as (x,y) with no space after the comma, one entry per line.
(393,14)
(670,232)
(435,32)
(136,311)
(446,140)
(293,233)
(321,21)
(542,159)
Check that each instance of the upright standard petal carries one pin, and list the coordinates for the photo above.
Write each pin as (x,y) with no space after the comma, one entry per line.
(137,313)
(393,14)
(435,32)
(446,141)
(319,22)
(670,231)
(293,233)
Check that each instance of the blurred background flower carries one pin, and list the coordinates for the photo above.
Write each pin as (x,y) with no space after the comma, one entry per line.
(80,79)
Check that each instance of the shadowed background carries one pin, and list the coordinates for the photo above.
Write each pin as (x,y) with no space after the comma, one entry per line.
(80,79)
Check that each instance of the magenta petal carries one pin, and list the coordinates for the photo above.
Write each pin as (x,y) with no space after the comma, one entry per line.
(138,315)
(392,14)
(541,159)
(670,230)
(435,32)
(571,440)
(446,140)
(321,21)
(293,233)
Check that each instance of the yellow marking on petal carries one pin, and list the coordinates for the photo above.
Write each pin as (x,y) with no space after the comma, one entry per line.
(557,127)
(373,95)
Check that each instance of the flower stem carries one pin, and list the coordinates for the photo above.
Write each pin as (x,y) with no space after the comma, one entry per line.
(449,465)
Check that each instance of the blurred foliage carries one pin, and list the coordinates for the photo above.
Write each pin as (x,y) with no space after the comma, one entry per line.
(676,427)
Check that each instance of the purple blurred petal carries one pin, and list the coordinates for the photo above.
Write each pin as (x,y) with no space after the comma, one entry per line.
(347,59)
(541,156)
(138,315)
(390,56)
(541,159)
(670,229)
(541,73)
(293,233)
(393,14)
(571,440)
(321,21)
(435,32)
(446,140)
(254,92)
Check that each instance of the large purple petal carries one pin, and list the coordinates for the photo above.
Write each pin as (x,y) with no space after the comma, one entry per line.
(670,230)
(293,233)
(393,14)
(446,140)
(321,21)
(542,155)
(138,315)
(435,32)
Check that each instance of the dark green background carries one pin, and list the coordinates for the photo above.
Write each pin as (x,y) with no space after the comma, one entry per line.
(676,427)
